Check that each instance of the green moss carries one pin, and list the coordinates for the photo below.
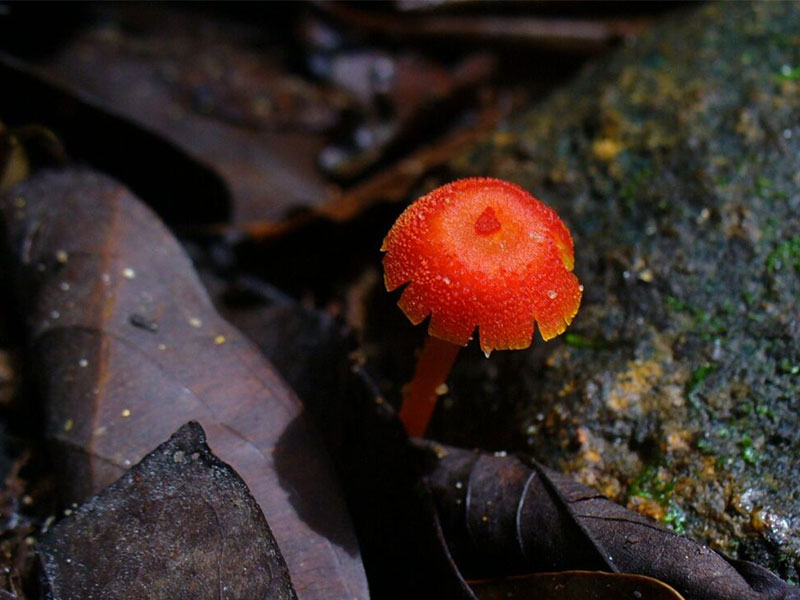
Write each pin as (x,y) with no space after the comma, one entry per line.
(728,307)
(704,323)
(677,304)
(699,376)
(788,73)
(578,341)
(748,297)
(705,445)
(749,453)
(763,186)
(786,254)
(750,456)
(786,366)
(650,485)
(675,518)
(764,410)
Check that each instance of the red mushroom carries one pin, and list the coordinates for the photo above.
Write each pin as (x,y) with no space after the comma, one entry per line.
(482,253)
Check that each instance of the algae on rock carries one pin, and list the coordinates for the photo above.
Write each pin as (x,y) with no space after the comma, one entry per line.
(676,164)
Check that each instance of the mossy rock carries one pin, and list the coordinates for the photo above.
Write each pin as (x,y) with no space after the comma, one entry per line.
(676,164)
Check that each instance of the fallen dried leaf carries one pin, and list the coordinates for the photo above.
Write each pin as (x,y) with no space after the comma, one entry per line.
(502,515)
(179,524)
(87,256)
(180,188)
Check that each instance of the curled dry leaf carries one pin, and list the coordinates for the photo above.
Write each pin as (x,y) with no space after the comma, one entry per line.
(129,348)
(500,514)
(181,523)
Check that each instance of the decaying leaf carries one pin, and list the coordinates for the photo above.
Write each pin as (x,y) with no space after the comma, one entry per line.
(500,514)
(398,532)
(179,524)
(199,86)
(129,348)
(219,95)
(179,188)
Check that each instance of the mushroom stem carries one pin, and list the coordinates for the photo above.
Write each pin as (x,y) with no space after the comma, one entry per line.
(419,395)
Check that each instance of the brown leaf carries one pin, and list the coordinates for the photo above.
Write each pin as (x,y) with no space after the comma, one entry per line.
(219,92)
(179,524)
(392,184)
(500,514)
(182,190)
(129,348)
(575,585)
(198,85)
(398,531)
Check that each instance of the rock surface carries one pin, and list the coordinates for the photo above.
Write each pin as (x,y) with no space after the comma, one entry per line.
(676,164)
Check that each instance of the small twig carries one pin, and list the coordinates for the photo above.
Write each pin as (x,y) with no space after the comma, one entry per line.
(589,34)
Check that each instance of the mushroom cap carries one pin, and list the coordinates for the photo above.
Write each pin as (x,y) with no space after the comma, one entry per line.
(483,253)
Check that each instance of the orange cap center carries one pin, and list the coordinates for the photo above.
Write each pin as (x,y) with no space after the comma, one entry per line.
(487,223)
